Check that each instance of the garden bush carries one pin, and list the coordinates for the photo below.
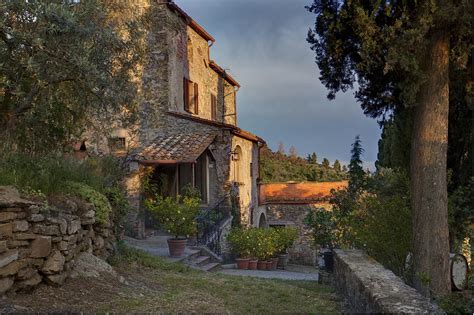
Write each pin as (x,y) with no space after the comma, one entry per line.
(96,179)
(103,209)
(241,242)
(51,173)
(177,215)
(259,242)
(285,238)
(377,219)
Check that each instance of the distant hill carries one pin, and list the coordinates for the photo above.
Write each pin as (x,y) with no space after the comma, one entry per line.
(280,167)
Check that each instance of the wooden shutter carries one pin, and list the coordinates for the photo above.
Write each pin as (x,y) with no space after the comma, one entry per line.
(213,107)
(190,96)
(186,94)
(196,98)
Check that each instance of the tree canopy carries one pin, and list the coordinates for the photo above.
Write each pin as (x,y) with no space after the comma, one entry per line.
(400,57)
(62,64)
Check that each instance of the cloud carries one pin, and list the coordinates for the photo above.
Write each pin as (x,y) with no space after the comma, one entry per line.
(263,44)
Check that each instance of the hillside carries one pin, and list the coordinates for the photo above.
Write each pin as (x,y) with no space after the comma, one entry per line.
(280,167)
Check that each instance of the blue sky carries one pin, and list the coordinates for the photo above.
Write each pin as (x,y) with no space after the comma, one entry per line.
(263,44)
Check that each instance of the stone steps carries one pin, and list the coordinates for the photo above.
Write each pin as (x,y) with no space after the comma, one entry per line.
(200,259)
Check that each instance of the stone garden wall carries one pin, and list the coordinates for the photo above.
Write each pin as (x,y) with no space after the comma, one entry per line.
(370,288)
(40,243)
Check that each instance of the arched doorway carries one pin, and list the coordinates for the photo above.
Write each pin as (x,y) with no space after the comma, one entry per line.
(262,222)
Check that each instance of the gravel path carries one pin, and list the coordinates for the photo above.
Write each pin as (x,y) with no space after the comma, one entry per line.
(277,274)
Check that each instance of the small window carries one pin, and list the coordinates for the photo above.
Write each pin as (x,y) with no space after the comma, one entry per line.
(213,107)
(251,169)
(117,144)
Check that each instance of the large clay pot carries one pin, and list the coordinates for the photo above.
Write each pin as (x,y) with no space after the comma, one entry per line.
(262,265)
(176,246)
(242,263)
(253,264)
(283,260)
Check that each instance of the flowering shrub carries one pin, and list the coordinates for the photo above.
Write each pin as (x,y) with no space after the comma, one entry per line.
(178,215)
(256,242)
(267,243)
(241,242)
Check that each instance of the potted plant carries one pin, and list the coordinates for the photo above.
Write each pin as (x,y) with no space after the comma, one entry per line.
(323,227)
(239,240)
(274,237)
(286,237)
(178,217)
(260,248)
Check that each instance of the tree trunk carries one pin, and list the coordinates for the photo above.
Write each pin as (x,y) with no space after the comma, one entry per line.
(429,196)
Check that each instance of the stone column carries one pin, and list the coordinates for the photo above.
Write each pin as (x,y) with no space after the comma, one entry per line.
(136,219)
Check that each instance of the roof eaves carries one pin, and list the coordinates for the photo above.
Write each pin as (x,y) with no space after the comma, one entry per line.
(191,22)
(223,73)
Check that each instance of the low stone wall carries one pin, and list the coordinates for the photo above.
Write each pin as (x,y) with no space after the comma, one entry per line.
(370,288)
(40,243)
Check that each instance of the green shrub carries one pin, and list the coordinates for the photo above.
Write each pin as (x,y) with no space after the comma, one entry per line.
(178,215)
(265,243)
(285,238)
(103,209)
(377,220)
(50,174)
(120,207)
(323,227)
(241,242)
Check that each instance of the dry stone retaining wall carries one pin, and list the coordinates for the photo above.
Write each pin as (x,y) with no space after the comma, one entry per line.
(370,288)
(38,244)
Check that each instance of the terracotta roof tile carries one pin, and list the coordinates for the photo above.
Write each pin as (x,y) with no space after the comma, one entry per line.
(177,148)
(299,193)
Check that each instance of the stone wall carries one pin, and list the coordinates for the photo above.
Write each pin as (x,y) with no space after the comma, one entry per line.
(40,243)
(244,172)
(303,251)
(370,288)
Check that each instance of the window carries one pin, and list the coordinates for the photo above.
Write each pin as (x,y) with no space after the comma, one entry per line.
(117,144)
(251,169)
(191,96)
(213,107)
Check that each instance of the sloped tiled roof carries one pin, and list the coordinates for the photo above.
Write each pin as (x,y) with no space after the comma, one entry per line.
(298,193)
(176,148)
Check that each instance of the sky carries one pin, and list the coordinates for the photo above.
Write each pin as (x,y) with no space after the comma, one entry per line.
(262,43)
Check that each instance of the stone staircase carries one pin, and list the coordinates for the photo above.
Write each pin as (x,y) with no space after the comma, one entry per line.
(196,257)
(202,259)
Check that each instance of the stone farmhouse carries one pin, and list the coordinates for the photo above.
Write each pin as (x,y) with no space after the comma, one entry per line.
(188,132)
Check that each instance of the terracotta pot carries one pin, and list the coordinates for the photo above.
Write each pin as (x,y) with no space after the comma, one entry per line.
(274,263)
(269,265)
(262,265)
(253,264)
(283,260)
(176,246)
(242,263)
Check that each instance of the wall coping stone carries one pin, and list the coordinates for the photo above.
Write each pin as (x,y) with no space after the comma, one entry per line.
(369,287)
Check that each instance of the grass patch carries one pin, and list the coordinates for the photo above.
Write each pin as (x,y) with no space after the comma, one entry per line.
(182,290)
(127,255)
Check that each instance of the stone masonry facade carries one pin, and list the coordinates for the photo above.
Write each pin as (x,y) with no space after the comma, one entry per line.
(39,245)
(183,91)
